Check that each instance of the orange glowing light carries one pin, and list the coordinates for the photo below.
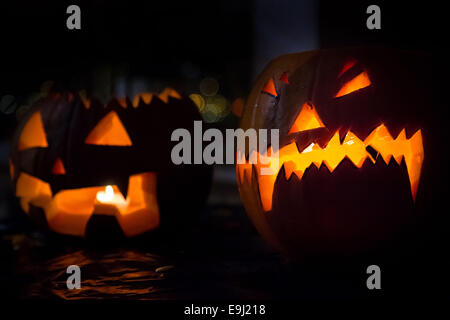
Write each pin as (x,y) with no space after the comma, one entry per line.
(270,88)
(307,119)
(168,92)
(32,190)
(352,148)
(110,197)
(123,102)
(284,78)
(360,81)
(146,97)
(33,134)
(58,167)
(84,99)
(109,132)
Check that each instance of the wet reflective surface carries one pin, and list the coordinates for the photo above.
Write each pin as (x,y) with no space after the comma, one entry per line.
(224,258)
(215,266)
(120,274)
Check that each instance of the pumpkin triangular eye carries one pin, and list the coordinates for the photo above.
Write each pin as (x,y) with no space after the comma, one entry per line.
(109,132)
(270,88)
(58,167)
(307,119)
(284,78)
(347,66)
(33,134)
(360,81)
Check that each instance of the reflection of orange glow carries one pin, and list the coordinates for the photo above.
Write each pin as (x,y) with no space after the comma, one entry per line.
(352,148)
(360,81)
(33,134)
(110,132)
(270,88)
(58,167)
(69,211)
(306,120)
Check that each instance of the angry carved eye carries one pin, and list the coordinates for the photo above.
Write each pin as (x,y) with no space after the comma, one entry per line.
(109,132)
(307,119)
(33,134)
(284,78)
(347,66)
(360,81)
(269,88)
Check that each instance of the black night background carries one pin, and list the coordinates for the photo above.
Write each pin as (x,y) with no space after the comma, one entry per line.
(214,49)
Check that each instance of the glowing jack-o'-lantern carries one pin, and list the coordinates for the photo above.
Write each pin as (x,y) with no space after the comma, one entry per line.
(352,159)
(80,167)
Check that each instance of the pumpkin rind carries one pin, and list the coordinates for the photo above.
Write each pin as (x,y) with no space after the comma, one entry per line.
(81,155)
(349,91)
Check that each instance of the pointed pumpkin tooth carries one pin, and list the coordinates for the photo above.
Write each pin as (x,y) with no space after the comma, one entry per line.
(289,168)
(147,97)
(136,99)
(244,172)
(266,185)
(386,158)
(319,163)
(25,204)
(401,136)
(168,92)
(299,174)
(398,158)
(122,102)
(86,102)
(174,94)
(414,161)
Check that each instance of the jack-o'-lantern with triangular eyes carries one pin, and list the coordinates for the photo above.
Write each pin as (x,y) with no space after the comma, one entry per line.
(80,167)
(352,170)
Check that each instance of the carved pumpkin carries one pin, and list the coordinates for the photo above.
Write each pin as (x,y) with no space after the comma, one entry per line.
(79,166)
(355,138)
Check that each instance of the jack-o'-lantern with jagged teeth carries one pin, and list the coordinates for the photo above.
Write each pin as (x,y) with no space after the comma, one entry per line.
(352,169)
(81,167)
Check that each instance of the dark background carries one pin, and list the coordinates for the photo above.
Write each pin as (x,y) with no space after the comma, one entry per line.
(130,46)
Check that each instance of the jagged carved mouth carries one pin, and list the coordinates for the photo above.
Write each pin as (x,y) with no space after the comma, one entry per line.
(68,211)
(379,143)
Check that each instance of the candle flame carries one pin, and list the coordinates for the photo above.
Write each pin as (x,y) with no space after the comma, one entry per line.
(107,195)
(111,197)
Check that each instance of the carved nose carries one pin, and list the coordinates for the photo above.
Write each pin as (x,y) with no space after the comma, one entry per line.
(307,119)
(58,167)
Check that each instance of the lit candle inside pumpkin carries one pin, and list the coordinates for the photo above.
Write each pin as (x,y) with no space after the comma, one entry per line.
(109,201)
